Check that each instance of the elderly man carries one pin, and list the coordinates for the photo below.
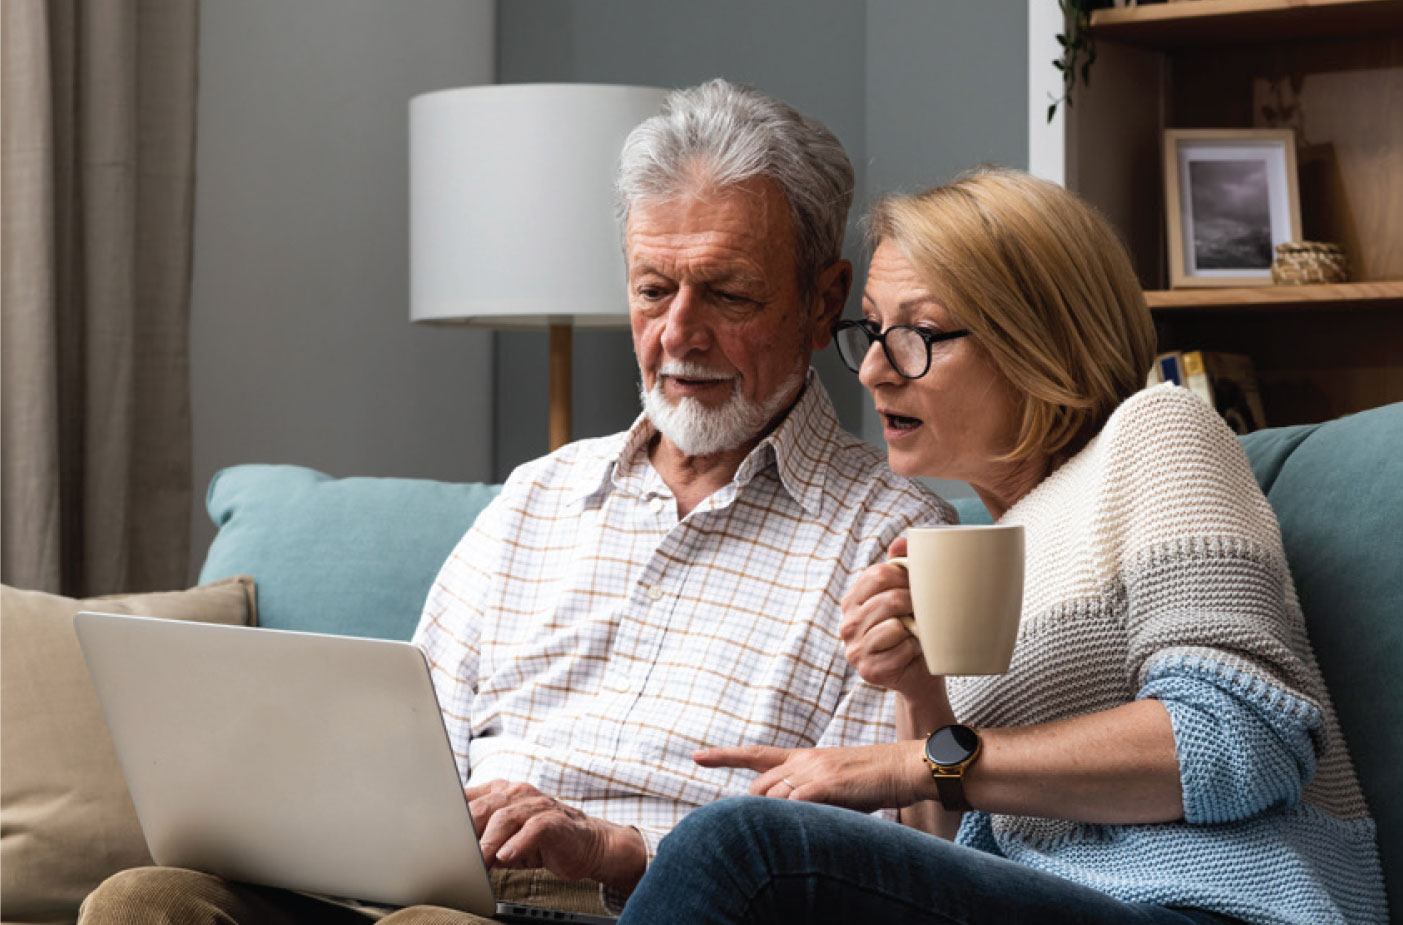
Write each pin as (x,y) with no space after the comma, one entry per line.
(630,599)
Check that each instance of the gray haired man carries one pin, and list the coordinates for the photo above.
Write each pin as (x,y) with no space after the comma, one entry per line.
(630,599)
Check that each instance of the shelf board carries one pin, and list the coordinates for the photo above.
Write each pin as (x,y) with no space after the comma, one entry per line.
(1279,298)
(1215,22)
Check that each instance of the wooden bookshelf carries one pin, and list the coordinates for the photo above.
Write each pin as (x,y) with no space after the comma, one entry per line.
(1330,70)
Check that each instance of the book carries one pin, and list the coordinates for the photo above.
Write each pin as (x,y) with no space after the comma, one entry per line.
(1227,382)
(1195,376)
(1166,368)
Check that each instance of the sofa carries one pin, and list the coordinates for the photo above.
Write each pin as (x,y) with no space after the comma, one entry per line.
(297,549)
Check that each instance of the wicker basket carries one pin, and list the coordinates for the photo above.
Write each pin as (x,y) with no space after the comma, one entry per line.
(1300,262)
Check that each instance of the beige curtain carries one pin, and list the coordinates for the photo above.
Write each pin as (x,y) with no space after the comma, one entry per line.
(97,199)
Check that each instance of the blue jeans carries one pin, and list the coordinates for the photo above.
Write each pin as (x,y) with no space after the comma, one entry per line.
(756,859)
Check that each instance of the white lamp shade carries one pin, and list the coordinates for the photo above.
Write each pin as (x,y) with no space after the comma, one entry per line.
(512,220)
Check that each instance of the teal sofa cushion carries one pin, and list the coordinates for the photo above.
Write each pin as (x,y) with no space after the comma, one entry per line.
(971,510)
(1268,450)
(353,556)
(1339,498)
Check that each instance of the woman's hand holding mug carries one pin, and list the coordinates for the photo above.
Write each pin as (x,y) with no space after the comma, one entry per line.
(877,640)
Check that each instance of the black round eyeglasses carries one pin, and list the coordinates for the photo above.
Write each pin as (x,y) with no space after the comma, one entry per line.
(907,349)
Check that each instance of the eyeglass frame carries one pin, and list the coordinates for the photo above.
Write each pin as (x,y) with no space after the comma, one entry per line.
(876,334)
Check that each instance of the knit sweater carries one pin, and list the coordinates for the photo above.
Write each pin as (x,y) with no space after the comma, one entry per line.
(1155,569)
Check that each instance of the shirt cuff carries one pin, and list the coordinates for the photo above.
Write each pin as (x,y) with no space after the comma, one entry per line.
(614,899)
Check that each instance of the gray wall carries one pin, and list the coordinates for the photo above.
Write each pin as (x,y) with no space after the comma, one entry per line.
(301,345)
(947,89)
(916,90)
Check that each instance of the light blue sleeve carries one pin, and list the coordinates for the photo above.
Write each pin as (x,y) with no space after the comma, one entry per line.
(1244,746)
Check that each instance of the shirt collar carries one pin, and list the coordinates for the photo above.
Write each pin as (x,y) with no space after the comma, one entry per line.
(799,449)
(603,463)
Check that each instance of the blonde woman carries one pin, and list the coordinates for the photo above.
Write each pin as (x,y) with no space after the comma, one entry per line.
(1162,749)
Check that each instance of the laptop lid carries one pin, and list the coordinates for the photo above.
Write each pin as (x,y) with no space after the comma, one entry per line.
(310,762)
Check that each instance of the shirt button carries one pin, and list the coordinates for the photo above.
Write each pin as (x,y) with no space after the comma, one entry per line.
(657,505)
(655,593)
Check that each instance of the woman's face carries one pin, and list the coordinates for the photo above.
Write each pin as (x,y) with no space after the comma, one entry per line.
(953,422)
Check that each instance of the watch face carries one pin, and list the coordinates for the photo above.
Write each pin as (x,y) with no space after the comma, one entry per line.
(951,745)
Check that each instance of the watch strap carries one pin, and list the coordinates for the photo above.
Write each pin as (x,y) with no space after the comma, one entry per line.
(950,788)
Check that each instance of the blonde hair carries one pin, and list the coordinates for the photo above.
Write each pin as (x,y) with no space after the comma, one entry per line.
(1046,287)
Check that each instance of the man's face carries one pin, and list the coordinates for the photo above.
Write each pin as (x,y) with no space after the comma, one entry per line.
(722,336)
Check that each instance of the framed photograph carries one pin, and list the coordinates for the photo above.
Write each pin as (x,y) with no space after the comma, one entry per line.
(1230,198)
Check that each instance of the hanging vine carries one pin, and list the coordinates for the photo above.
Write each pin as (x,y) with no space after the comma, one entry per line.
(1078,49)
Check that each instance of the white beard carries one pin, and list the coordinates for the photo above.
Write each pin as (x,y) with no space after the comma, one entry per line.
(698,430)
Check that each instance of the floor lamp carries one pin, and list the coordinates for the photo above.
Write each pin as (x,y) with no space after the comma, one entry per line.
(512,219)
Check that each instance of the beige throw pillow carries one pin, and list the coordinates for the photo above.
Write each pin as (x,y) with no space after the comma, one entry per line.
(66,820)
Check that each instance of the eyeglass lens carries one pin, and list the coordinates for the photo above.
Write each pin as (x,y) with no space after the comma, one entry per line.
(905,348)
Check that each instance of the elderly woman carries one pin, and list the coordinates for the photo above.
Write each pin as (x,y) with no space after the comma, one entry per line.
(1162,748)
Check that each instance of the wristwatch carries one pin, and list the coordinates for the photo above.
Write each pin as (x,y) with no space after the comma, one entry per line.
(948,752)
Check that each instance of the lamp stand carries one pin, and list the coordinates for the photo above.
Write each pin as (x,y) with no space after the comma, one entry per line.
(560,354)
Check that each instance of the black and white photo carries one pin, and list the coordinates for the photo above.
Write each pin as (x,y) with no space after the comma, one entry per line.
(1230,199)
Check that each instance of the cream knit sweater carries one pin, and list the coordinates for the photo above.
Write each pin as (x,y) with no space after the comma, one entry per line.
(1155,569)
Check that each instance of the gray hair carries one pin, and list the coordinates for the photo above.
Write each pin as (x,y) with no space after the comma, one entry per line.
(719,134)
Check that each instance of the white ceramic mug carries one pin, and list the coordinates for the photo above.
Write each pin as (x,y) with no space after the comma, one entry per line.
(966,594)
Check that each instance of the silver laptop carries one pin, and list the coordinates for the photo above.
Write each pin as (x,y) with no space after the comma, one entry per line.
(298,760)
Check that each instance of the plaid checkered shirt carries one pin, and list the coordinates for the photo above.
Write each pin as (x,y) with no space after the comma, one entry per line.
(585,640)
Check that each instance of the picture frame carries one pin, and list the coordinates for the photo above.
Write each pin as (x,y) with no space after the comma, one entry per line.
(1230,197)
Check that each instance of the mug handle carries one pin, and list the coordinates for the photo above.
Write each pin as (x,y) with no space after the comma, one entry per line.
(907,621)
